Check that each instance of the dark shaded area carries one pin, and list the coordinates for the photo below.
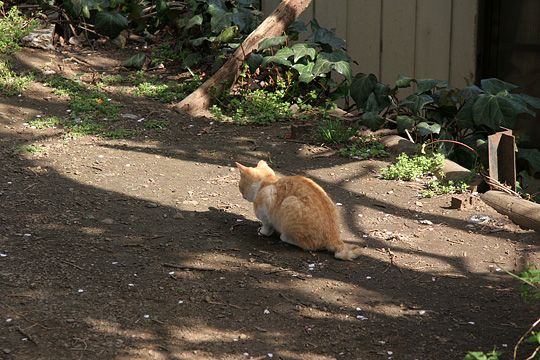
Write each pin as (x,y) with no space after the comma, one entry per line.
(54,232)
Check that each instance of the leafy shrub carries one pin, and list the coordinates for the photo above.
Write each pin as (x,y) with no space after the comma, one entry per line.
(256,107)
(12,83)
(167,92)
(364,148)
(409,168)
(458,120)
(305,67)
(13,27)
(334,131)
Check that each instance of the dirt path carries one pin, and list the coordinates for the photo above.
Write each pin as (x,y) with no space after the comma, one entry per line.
(144,249)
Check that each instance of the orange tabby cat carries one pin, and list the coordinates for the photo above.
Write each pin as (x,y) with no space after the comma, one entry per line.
(296,207)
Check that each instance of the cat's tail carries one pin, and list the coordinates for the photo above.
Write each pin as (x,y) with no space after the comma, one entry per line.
(346,251)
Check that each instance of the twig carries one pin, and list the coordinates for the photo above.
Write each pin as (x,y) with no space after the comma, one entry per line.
(523,338)
(188,268)
(392,256)
(409,136)
(23,333)
(496,185)
(72,264)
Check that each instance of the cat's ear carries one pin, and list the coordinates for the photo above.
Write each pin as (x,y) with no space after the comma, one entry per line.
(241,167)
(262,163)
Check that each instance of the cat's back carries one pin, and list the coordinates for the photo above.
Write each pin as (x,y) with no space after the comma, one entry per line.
(304,189)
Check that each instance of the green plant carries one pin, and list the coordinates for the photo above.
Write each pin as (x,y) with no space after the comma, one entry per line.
(478,355)
(364,148)
(45,122)
(30,149)
(156,124)
(305,67)
(167,92)
(13,27)
(334,131)
(118,134)
(10,82)
(455,121)
(438,187)
(409,168)
(211,29)
(82,128)
(254,107)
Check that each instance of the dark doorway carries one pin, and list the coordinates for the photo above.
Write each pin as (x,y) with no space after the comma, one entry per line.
(510,42)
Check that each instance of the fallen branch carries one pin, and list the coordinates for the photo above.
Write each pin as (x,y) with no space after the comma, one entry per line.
(188,268)
(198,102)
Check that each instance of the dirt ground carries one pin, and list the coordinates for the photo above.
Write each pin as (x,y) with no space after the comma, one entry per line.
(144,249)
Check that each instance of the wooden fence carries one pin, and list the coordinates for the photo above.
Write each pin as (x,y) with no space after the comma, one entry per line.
(420,38)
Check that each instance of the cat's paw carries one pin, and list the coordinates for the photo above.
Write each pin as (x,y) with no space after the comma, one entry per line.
(266,231)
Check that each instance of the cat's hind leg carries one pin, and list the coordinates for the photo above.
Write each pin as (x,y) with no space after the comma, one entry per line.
(287,239)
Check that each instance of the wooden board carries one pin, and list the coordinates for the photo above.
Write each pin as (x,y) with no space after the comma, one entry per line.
(364,35)
(398,39)
(463,44)
(433,32)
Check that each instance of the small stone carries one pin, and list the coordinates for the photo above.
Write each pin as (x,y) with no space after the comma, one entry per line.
(419,203)
(242,336)
(425,222)
(151,205)
(107,221)
(179,216)
(70,320)
(6,351)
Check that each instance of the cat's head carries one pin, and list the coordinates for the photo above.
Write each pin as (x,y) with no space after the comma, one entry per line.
(251,178)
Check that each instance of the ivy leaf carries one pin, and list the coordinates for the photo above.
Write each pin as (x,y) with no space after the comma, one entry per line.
(469,92)
(326,37)
(136,61)
(512,105)
(372,105)
(302,50)
(220,17)
(199,41)
(532,157)
(280,57)
(382,91)
(254,61)
(416,103)
(243,19)
(361,87)
(191,59)
(404,81)
(486,111)
(372,120)
(196,20)
(305,72)
(494,86)
(425,129)
(425,85)
(404,123)
(464,117)
(227,34)
(530,100)
(110,23)
(322,65)
(344,69)
(271,42)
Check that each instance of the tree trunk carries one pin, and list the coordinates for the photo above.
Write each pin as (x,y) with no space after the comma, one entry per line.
(198,102)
